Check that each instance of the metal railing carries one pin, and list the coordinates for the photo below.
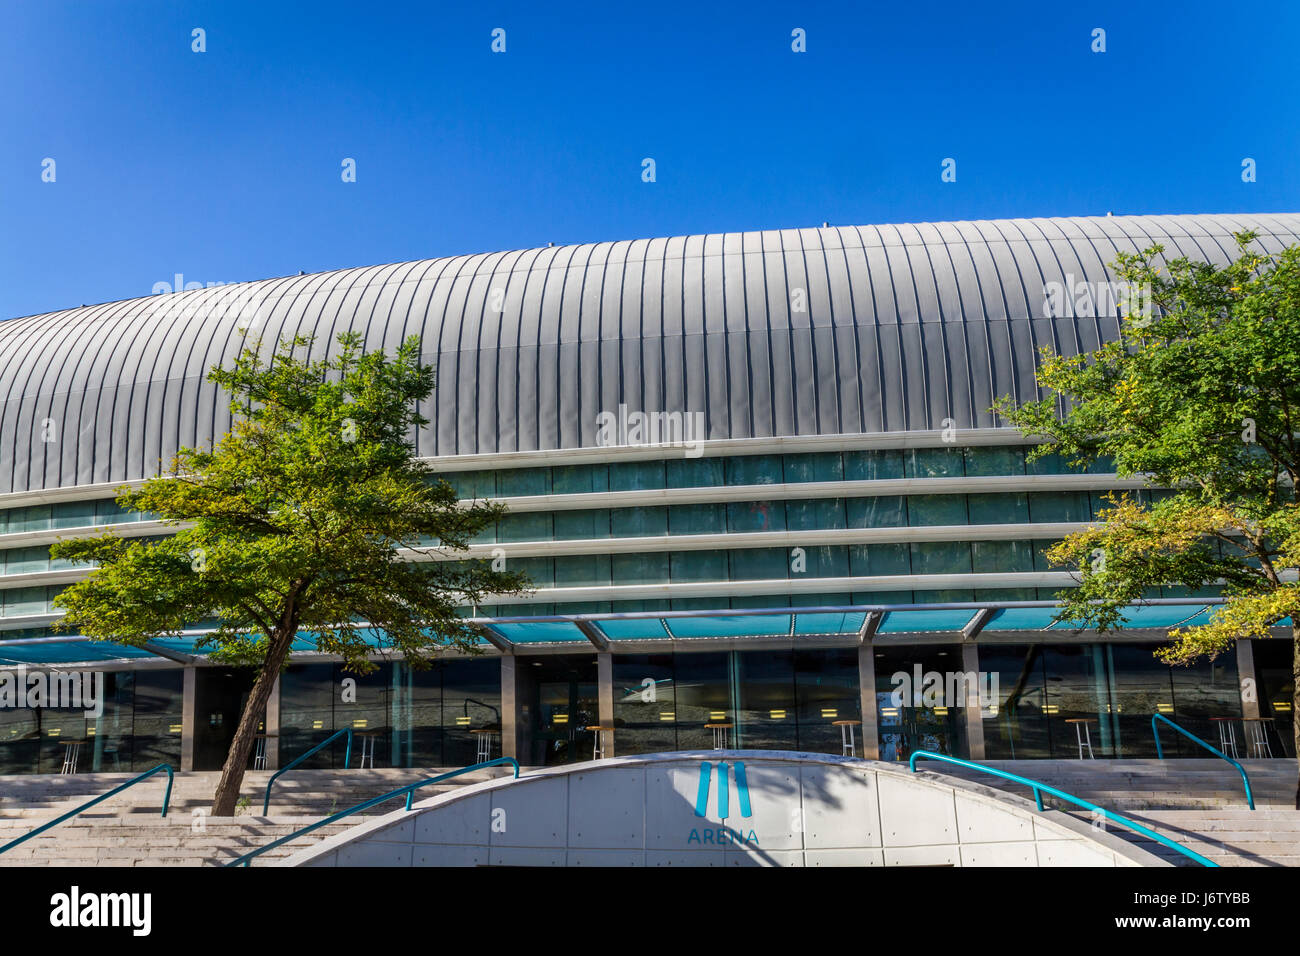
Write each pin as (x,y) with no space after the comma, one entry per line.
(347,758)
(409,790)
(167,799)
(1040,788)
(1155,729)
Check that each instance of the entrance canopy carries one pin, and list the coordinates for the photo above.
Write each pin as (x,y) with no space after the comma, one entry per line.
(848,623)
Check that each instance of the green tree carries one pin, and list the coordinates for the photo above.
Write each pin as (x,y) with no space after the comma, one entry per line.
(1201,396)
(312,520)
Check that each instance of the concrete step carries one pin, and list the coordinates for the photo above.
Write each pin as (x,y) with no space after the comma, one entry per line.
(1238,837)
(314,792)
(133,841)
(128,830)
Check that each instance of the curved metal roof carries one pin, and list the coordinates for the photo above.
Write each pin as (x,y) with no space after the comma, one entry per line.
(905,325)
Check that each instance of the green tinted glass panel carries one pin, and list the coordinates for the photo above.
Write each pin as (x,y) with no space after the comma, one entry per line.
(108,511)
(643,568)
(74,514)
(941,557)
(756,564)
(570,525)
(882,511)
(638,522)
(1049,464)
(826,561)
(697,519)
(934,463)
(579,479)
(754,470)
(756,516)
(870,560)
(822,466)
(936,509)
(1059,506)
(636,475)
(694,566)
(27,560)
(540,571)
(1040,557)
(35,518)
(814,514)
(472,484)
(1001,557)
(998,509)
(516,482)
(525,526)
(695,473)
(582,570)
(994,461)
(873,465)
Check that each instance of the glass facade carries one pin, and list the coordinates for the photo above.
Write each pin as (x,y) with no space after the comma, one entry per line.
(771,699)
(1275,676)
(139,728)
(787,698)
(420,718)
(1044,691)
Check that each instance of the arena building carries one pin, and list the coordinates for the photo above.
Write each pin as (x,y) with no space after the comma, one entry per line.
(754,477)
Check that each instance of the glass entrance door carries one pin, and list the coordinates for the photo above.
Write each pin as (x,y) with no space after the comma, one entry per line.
(565,703)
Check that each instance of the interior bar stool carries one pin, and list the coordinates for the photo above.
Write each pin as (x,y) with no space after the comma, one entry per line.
(719,734)
(848,746)
(1227,735)
(71,751)
(486,742)
(1256,733)
(1083,734)
(368,738)
(259,755)
(598,744)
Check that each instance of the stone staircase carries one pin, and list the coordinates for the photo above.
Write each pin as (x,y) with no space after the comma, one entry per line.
(1200,804)
(1268,836)
(1123,785)
(127,830)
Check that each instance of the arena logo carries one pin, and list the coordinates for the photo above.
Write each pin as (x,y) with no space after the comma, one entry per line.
(723,835)
(651,429)
(57,690)
(1070,299)
(76,909)
(943,689)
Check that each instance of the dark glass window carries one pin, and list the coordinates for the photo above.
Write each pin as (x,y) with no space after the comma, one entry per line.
(754,470)
(998,509)
(936,509)
(915,717)
(1017,727)
(996,460)
(873,465)
(888,511)
(644,703)
(934,462)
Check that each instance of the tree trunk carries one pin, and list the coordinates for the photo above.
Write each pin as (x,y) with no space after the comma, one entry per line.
(232,773)
(1295,708)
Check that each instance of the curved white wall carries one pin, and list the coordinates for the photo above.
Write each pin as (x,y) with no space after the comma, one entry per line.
(805,810)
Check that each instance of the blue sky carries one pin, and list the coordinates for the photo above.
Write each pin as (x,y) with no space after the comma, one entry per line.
(225,165)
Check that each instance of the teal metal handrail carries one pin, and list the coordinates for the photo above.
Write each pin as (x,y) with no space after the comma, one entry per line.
(167,799)
(409,790)
(1040,788)
(347,758)
(1155,729)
